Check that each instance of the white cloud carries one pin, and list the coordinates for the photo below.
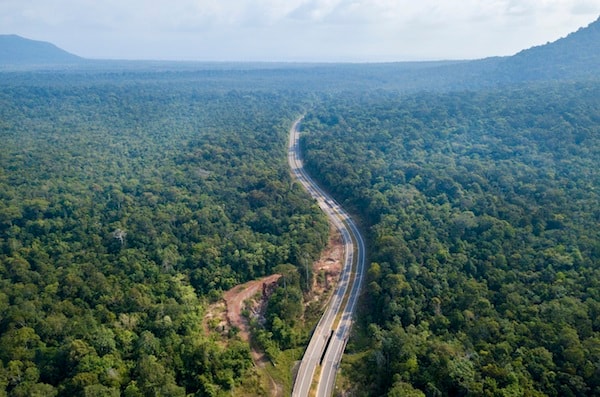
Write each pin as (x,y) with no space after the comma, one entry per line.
(296,29)
(584,7)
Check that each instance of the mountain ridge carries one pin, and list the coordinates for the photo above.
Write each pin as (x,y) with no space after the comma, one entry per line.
(18,50)
(574,56)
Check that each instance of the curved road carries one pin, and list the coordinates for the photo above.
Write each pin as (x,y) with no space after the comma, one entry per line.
(325,349)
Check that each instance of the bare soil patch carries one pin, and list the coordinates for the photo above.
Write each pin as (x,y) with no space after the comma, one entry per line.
(329,266)
(235,298)
(228,314)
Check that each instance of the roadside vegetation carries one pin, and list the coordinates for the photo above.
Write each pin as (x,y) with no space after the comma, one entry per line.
(126,207)
(483,228)
(133,194)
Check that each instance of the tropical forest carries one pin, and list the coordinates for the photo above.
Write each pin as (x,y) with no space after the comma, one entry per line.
(135,196)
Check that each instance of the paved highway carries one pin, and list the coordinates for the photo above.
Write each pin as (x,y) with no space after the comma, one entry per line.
(325,349)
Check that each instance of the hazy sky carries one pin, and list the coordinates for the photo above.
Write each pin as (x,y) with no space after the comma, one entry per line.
(295,30)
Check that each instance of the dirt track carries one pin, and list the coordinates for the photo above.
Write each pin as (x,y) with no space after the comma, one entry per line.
(228,312)
(234,300)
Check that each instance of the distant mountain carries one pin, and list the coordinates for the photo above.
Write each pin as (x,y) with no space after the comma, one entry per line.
(16,50)
(573,57)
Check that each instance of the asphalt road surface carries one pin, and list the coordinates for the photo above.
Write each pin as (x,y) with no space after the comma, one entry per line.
(325,349)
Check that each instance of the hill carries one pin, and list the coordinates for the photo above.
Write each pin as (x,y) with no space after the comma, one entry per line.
(575,56)
(17,50)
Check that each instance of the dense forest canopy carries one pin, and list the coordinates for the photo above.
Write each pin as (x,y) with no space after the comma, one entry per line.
(483,219)
(125,207)
(133,193)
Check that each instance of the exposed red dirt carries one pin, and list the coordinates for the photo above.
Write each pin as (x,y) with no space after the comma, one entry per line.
(227,313)
(235,298)
(329,266)
(326,271)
